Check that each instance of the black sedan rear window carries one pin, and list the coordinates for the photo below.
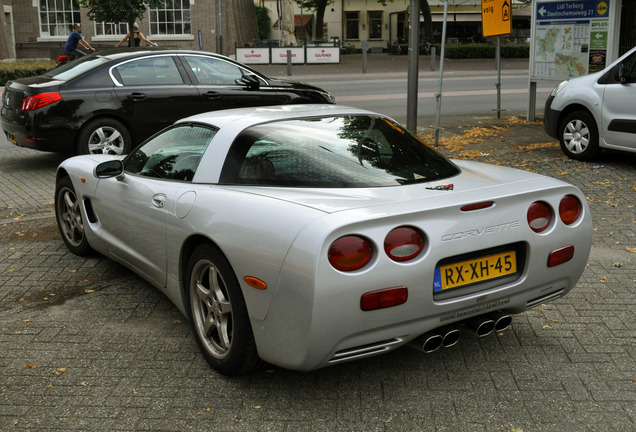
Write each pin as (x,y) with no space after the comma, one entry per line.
(351,151)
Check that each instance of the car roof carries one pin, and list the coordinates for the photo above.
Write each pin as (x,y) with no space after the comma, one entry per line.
(246,117)
(119,53)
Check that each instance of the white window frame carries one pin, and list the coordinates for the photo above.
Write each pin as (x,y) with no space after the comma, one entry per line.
(49,8)
(160,22)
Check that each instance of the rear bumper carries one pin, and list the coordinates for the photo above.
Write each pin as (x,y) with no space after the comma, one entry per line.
(58,140)
(551,118)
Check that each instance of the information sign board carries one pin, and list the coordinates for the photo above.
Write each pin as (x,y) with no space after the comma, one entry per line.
(570,38)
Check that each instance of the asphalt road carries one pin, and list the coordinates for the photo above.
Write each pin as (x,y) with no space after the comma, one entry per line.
(87,345)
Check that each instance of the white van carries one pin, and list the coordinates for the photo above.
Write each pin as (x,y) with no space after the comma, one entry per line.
(595,111)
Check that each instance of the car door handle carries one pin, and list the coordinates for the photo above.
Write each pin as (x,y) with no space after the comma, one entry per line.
(212,95)
(137,96)
(159,200)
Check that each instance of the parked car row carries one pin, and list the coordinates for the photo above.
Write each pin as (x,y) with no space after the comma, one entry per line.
(290,230)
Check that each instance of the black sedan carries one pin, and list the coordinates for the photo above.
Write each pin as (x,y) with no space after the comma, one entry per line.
(110,101)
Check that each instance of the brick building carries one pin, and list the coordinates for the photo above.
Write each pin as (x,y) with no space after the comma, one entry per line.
(38,29)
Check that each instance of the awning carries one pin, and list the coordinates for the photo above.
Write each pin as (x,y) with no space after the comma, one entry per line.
(299,20)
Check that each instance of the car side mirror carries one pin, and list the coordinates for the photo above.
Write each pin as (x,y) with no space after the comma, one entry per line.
(251,81)
(621,73)
(109,169)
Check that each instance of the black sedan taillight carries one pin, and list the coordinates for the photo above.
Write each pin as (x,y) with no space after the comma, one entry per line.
(37,101)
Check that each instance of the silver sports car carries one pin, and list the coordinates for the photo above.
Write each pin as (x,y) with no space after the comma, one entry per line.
(305,236)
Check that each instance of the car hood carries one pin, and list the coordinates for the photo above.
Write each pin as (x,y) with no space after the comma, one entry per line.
(477,181)
(293,84)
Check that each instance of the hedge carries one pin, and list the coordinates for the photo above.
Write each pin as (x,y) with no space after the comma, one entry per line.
(481,51)
(22,69)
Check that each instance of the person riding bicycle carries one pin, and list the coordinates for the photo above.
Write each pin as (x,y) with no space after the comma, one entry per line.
(75,39)
(135,38)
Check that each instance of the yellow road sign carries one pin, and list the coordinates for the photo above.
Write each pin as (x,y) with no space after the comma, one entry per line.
(496,17)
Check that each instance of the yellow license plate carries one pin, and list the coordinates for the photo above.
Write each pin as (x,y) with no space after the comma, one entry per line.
(12,138)
(475,270)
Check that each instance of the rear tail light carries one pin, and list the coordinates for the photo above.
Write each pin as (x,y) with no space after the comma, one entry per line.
(569,209)
(34,102)
(539,216)
(350,253)
(384,298)
(404,243)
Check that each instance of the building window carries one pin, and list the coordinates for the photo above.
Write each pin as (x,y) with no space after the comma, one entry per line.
(111,29)
(171,19)
(352,25)
(375,24)
(58,16)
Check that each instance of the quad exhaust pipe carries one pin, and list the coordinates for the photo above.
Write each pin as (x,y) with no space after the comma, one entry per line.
(442,337)
(448,336)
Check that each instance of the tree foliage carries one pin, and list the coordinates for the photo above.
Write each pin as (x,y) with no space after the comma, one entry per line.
(263,22)
(427,28)
(318,6)
(118,10)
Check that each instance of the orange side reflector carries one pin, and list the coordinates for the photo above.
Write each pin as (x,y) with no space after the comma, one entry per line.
(255,282)
(83,179)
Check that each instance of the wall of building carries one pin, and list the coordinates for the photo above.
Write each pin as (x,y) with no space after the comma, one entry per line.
(238,27)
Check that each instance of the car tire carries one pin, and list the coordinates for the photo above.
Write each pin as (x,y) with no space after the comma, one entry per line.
(69,218)
(579,136)
(218,314)
(104,136)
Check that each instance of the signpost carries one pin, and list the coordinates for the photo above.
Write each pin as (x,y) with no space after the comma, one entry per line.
(496,20)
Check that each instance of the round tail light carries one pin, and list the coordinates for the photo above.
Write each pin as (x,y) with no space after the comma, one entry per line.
(350,253)
(404,243)
(539,216)
(569,209)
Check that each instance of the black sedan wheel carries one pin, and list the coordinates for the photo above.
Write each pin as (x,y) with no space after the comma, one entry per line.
(104,136)
(69,218)
(218,314)
(579,136)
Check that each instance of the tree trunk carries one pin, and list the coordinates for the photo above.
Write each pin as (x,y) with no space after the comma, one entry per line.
(427,27)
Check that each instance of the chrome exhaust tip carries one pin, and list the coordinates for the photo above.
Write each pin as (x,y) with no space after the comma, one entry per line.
(451,337)
(481,325)
(502,320)
(428,342)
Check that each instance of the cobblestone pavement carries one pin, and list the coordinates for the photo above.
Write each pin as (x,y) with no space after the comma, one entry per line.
(87,345)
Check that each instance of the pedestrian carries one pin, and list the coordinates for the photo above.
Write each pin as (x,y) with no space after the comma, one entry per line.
(75,39)
(136,38)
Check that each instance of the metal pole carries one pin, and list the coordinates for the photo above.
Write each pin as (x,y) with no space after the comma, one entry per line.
(438,96)
(289,62)
(498,84)
(413,68)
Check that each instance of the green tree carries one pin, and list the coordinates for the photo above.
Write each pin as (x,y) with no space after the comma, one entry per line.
(118,10)
(319,7)
(263,22)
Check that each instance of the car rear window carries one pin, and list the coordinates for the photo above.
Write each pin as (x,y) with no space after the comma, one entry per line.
(348,151)
(70,70)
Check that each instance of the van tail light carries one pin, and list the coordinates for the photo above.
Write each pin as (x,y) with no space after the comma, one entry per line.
(37,101)
(350,253)
(404,243)
(539,216)
(569,209)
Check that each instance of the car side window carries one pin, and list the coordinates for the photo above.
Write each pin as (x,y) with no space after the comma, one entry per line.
(172,155)
(160,70)
(213,71)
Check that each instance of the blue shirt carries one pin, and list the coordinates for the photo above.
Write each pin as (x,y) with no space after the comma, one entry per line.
(72,41)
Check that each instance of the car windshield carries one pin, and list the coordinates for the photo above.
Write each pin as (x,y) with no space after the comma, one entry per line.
(347,151)
(75,68)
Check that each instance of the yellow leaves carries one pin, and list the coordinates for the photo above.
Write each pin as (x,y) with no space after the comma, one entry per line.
(30,366)
(58,371)
(631,249)
(88,291)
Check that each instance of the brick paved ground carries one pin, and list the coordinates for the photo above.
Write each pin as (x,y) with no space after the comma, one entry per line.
(87,345)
